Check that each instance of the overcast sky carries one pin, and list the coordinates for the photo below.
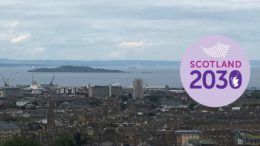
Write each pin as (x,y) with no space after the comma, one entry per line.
(122,29)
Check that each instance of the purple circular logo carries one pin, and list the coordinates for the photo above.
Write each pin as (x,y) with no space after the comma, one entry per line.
(215,71)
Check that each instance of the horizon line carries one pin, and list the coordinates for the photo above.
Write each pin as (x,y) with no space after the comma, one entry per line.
(1,59)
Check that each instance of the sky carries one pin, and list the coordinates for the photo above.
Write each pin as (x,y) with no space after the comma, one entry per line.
(122,29)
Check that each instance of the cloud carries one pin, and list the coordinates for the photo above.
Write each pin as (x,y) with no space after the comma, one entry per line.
(130,29)
(221,4)
(14,24)
(11,24)
(127,53)
(132,44)
(36,51)
(20,38)
(24,52)
(115,54)
(218,5)
(125,48)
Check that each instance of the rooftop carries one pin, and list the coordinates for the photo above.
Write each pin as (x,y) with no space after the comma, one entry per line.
(188,132)
(5,125)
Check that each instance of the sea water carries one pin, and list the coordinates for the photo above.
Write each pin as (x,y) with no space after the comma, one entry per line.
(152,76)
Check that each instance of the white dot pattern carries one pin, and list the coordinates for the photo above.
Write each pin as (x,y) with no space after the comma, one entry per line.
(217,51)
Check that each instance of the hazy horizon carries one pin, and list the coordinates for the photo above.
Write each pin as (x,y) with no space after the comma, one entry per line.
(1,59)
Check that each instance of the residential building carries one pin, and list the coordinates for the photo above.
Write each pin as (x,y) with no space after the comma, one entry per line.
(10,92)
(243,137)
(115,90)
(8,131)
(98,91)
(184,136)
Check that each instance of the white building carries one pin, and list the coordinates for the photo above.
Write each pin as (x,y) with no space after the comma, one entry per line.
(67,90)
(21,103)
(138,88)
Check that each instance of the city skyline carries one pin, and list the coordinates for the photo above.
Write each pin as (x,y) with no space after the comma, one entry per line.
(129,73)
(116,30)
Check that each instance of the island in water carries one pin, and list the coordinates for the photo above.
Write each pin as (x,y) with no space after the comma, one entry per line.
(76,69)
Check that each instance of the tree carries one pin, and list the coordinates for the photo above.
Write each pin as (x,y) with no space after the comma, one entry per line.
(21,142)
(77,138)
(66,141)
(192,105)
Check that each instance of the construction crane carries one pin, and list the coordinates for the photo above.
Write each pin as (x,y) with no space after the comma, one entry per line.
(6,84)
(145,83)
(34,83)
(52,79)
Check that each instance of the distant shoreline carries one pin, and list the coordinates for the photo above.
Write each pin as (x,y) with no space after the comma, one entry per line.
(115,64)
